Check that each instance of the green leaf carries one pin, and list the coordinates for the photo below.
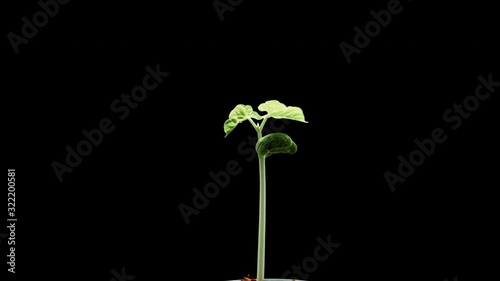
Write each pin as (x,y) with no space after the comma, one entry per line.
(271,106)
(255,115)
(275,143)
(229,125)
(239,114)
(278,110)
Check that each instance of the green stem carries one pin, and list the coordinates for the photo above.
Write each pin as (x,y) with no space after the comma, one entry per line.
(255,126)
(263,122)
(262,220)
(261,247)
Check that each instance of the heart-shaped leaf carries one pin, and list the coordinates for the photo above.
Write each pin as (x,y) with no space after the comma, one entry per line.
(278,110)
(239,114)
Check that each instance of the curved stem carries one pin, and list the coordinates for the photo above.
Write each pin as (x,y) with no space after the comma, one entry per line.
(264,122)
(255,126)
(262,220)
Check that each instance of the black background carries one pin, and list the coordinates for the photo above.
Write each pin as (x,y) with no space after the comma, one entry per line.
(119,207)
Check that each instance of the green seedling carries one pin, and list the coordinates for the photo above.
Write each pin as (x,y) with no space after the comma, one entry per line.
(273,143)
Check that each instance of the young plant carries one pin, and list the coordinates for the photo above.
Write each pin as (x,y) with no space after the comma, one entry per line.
(273,143)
